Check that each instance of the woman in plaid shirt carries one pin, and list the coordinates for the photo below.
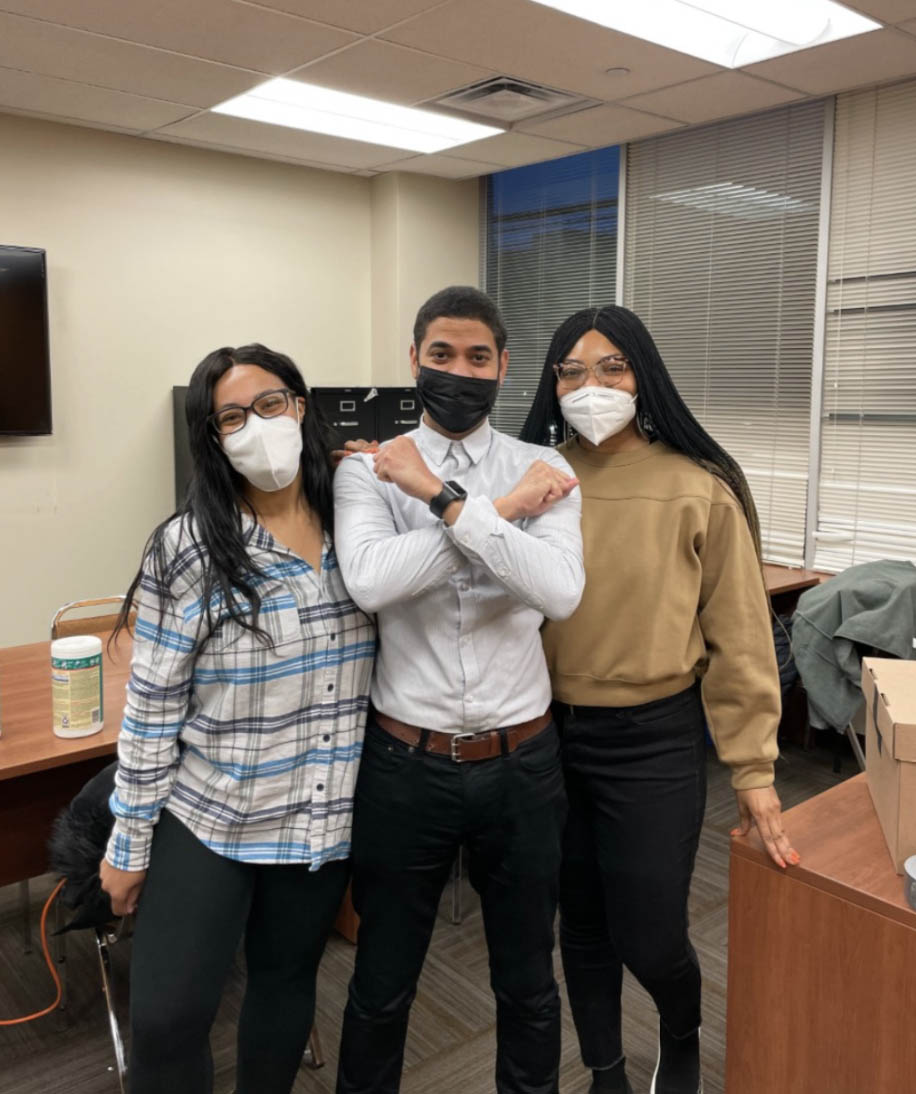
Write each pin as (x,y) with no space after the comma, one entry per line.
(237,758)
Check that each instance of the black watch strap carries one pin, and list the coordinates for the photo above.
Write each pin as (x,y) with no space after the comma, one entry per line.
(451,491)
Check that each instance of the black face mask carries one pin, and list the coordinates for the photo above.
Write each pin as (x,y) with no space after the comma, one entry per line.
(457,403)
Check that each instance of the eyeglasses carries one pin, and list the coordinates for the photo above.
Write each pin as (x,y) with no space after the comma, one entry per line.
(609,371)
(269,404)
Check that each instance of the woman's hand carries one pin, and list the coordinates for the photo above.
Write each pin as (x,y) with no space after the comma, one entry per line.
(349,448)
(123,886)
(762,807)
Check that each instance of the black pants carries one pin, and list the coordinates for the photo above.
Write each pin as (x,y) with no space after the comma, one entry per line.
(636,782)
(194,909)
(413,811)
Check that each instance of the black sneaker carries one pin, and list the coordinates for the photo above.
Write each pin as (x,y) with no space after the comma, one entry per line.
(678,1068)
(611,1080)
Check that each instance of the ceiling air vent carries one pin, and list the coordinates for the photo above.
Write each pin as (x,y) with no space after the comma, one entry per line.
(505,100)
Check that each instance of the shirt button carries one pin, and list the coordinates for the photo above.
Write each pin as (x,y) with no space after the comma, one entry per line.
(330,687)
(319,786)
(326,737)
(332,637)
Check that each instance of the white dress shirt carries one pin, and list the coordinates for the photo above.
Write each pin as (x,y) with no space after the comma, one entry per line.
(459,608)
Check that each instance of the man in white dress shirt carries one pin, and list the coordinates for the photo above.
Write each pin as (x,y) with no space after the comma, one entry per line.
(462,540)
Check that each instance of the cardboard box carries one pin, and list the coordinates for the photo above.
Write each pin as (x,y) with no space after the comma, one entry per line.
(889,687)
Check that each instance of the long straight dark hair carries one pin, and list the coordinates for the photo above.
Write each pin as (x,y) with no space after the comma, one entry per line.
(662,414)
(211,516)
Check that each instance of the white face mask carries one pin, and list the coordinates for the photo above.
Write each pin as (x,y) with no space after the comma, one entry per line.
(266,451)
(598,412)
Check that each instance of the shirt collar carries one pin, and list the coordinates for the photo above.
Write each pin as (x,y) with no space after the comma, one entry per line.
(476,444)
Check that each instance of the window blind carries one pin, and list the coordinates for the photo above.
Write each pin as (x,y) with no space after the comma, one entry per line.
(867,486)
(720,262)
(550,249)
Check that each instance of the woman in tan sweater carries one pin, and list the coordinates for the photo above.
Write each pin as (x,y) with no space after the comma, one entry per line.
(672,637)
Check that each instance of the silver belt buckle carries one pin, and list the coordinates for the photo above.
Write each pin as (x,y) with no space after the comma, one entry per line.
(453,745)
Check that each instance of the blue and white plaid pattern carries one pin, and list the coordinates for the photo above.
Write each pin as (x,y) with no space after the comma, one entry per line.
(254,748)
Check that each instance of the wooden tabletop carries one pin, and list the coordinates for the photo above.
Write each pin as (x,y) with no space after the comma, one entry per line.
(787,579)
(27,741)
(842,850)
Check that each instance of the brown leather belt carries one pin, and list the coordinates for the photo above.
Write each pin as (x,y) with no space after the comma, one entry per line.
(464,747)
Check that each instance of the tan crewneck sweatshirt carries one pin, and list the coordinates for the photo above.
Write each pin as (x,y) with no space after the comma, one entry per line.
(673,592)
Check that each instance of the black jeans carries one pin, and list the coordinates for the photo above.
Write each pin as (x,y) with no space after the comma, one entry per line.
(636,782)
(194,909)
(413,811)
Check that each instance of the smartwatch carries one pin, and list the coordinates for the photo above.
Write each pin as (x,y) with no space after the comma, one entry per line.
(451,491)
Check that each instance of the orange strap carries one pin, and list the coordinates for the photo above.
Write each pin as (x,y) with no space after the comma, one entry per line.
(48,960)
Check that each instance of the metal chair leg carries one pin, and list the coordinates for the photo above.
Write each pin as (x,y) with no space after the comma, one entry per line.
(456,887)
(313,1058)
(63,1017)
(101,941)
(25,906)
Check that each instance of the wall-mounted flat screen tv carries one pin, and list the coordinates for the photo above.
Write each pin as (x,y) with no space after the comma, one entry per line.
(25,366)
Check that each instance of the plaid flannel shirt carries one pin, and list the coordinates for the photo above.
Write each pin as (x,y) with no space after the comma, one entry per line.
(253,747)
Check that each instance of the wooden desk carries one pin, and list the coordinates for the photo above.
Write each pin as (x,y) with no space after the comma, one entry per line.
(786,579)
(40,773)
(821,959)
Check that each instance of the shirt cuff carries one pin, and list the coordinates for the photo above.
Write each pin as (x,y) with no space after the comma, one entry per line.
(129,852)
(477,521)
(753,776)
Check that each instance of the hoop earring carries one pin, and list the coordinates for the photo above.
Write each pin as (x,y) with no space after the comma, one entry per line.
(645,424)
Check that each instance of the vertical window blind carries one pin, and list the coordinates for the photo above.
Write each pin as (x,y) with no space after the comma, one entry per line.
(550,248)
(867,487)
(720,262)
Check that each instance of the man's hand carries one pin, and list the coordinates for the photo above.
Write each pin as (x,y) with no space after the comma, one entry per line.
(123,886)
(762,808)
(349,448)
(541,487)
(400,462)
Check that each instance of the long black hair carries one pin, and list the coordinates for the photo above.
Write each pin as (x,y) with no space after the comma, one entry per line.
(662,414)
(211,516)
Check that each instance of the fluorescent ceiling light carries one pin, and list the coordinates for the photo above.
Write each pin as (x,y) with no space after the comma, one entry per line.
(732,33)
(338,114)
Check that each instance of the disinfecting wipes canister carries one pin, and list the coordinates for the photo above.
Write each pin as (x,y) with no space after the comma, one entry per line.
(76,685)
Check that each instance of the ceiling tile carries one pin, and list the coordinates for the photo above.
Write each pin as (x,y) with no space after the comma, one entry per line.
(217,30)
(887,11)
(50,50)
(79,102)
(255,138)
(365,16)
(515,149)
(720,96)
(853,62)
(443,167)
(392,73)
(603,125)
(909,27)
(518,38)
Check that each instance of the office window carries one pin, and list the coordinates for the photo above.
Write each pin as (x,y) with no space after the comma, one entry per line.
(550,248)
(720,261)
(867,488)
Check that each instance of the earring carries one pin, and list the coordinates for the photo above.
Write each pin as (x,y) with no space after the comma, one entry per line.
(645,424)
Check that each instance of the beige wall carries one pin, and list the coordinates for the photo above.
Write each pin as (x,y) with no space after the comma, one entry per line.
(425,235)
(157,254)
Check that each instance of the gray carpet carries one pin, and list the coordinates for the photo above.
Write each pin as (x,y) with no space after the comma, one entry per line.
(451,1041)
